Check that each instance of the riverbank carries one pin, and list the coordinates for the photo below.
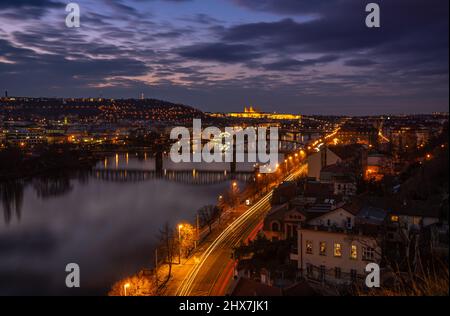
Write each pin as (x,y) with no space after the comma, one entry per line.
(16,163)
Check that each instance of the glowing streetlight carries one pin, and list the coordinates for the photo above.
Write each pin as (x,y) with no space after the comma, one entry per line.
(125,287)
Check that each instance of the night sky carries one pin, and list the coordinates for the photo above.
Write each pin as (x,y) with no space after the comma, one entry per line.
(308,57)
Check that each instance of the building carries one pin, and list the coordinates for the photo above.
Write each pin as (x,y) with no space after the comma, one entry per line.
(358,134)
(283,222)
(25,136)
(352,156)
(317,161)
(252,113)
(284,192)
(403,139)
(341,177)
(335,257)
(341,217)
(378,166)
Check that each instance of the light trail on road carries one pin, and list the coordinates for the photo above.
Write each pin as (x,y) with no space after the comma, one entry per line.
(231,233)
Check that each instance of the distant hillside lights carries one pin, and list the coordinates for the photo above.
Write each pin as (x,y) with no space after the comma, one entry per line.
(221,146)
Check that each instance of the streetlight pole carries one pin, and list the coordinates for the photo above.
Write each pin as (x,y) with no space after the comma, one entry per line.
(197,223)
(179,243)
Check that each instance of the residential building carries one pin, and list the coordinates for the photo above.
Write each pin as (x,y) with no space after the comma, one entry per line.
(321,159)
(283,222)
(335,257)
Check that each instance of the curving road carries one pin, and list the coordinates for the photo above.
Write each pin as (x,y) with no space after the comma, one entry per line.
(214,270)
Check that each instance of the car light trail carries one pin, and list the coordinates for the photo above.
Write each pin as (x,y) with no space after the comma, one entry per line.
(187,284)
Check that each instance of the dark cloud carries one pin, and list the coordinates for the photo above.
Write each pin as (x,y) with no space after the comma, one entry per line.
(228,53)
(287,6)
(361,62)
(59,72)
(202,18)
(295,64)
(317,53)
(29,3)
(27,9)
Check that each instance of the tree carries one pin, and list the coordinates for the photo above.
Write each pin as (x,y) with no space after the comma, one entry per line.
(208,214)
(141,284)
(187,238)
(231,197)
(169,246)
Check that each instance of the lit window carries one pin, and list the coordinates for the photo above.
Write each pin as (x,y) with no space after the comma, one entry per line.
(394,218)
(368,253)
(354,252)
(323,248)
(337,250)
(309,247)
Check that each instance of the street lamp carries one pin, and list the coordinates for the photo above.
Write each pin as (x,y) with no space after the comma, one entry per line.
(125,287)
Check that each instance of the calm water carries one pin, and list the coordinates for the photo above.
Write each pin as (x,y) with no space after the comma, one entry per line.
(108,223)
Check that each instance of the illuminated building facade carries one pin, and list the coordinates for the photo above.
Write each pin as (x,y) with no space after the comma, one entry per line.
(252,113)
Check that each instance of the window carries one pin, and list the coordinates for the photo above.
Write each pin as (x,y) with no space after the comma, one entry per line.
(309,270)
(275,227)
(349,222)
(337,273)
(337,250)
(323,248)
(368,254)
(328,222)
(354,252)
(322,273)
(353,275)
(309,247)
(394,218)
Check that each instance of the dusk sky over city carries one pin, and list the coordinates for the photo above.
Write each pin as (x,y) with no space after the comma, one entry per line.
(224,155)
(279,55)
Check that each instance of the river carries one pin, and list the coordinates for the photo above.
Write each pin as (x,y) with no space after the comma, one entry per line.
(106,220)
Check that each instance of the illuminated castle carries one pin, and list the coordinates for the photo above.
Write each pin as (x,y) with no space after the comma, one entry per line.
(252,113)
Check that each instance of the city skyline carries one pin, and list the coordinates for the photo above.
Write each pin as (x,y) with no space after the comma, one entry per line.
(289,56)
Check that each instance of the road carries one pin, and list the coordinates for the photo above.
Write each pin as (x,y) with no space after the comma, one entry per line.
(211,275)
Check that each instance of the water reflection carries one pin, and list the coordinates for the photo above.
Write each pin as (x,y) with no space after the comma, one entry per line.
(11,195)
(108,227)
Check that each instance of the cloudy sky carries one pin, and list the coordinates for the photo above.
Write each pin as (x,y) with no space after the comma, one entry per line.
(303,56)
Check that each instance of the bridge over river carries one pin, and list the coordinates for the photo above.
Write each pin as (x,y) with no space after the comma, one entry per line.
(182,176)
